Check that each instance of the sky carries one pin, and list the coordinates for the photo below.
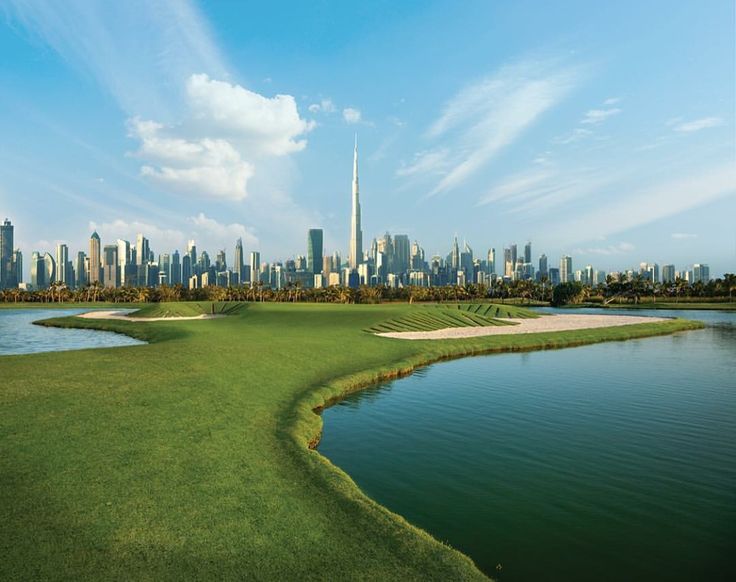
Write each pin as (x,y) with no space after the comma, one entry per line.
(604,131)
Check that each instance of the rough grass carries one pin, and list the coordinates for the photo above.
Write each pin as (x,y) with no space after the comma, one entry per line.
(442,316)
(188,458)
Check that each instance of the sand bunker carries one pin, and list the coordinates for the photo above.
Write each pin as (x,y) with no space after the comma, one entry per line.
(121,315)
(547,323)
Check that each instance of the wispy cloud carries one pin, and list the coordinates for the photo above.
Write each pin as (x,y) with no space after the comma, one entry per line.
(683,236)
(137,50)
(615,249)
(596,116)
(209,228)
(643,206)
(697,124)
(425,163)
(487,116)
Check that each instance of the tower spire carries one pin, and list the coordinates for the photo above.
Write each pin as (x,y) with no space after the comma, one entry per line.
(356,233)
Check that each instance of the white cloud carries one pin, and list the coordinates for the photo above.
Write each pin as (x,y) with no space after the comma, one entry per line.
(324,106)
(163,239)
(209,228)
(611,101)
(698,124)
(596,116)
(617,249)
(683,236)
(485,117)
(214,151)
(351,115)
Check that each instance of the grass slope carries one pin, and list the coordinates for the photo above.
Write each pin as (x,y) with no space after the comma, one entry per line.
(188,457)
(442,316)
(189,309)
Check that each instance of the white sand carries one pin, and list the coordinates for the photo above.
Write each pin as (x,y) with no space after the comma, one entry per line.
(560,322)
(121,315)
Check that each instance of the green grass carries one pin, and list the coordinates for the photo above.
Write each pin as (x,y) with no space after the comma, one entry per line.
(441,316)
(190,458)
(190,309)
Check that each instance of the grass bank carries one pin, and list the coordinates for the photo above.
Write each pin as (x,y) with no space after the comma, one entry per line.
(705,306)
(189,457)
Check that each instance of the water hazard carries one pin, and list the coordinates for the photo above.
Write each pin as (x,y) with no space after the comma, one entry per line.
(18,335)
(613,461)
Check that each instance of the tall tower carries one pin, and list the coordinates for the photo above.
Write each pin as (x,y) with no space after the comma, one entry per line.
(238,265)
(7,272)
(95,263)
(314,250)
(356,234)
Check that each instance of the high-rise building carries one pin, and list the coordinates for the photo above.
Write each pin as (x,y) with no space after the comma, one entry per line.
(7,271)
(239,263)
(315,250)
(18,266)
(124,263)
(164,269)
(528,252)
(701,273)
(255,267)
(186,270)
(402,253)
(192,252)
(566,273)
(110,266)
(668,273)
(94,259)
(175,269)
(356,232)
(455,256)
(80,270)
(491,262)
(220,261)
(142,249)
(543,265)
(62,264)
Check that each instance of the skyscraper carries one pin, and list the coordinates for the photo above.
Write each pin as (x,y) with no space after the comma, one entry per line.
(110,267)
(94,259)
(80,271)
(18,266)
(528,252)
(356,234)
(491,264)
(668,274)
(455,256)
(315,250)
(238,261)
(255,267)
(402,250)
(192,252)
(62,261)
(701,273)
(543,265)
(566,274)
(7,271)
(175,270)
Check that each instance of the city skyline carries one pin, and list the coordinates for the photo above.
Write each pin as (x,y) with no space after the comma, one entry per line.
(611,147)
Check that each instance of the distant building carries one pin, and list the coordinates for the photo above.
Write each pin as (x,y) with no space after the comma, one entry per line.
(528,252)
(668,274)
(8,278)
(175,269)
(95,263)
(566,273)
(255,267)
(110,267)
(543,269)
(239,261)
(701,273)
(315,250)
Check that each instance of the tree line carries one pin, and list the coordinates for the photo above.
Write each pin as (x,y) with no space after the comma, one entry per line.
(620,289)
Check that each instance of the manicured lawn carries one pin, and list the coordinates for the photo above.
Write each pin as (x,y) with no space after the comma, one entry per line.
(188,458)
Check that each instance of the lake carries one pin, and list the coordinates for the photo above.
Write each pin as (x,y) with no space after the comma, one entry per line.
(18,335)
(614,461)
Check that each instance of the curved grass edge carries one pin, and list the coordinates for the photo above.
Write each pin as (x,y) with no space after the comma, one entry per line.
(303,431)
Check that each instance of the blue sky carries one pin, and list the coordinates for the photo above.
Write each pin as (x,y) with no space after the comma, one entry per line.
(603,130)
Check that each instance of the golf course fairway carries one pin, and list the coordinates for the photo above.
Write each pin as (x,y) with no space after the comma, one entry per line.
(192,457)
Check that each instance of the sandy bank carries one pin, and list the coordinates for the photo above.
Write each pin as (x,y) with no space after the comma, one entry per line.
(548,323)
(121,315)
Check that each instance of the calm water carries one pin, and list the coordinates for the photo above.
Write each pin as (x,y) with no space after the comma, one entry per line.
(614,461)
(18,335)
